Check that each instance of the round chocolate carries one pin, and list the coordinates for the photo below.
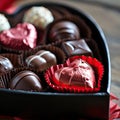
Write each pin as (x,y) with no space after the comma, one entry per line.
(41,60)
(26,80)
(48,56)
(5,64)
(37,62)
(38,16)
(64,30)
(79,73)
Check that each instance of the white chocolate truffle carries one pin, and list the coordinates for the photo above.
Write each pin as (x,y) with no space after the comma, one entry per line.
(4,24)
(38,16)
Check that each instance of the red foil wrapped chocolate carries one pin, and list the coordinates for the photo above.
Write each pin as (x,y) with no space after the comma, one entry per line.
(21,37)
(77,74)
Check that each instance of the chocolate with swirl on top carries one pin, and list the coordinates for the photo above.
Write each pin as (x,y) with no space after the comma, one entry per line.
(26,80)
(42,60)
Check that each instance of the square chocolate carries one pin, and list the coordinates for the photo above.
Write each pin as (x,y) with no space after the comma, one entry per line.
(76,47)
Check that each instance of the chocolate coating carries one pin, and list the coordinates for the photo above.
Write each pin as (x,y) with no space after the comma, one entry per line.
(48,56)
(64,30)
(79,73)
(76,47)
(5,64)
(26,80)
(41,60)
(37,62)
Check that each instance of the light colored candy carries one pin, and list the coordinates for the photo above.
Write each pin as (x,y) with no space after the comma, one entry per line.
(4,24)
(38,16)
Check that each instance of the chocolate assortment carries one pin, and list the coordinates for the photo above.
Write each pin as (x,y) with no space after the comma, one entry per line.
(59,63)
(63,33)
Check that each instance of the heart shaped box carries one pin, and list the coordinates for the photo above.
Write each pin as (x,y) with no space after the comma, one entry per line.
(60,105)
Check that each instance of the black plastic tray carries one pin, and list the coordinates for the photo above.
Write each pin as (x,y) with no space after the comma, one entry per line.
(57,105)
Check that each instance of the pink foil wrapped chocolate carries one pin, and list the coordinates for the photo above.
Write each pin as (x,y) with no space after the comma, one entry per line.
(77,74)
(23,36)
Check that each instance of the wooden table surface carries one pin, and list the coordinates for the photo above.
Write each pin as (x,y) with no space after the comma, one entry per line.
(107,15)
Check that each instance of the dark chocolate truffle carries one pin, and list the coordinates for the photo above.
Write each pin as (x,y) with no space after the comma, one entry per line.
(26,80)
(42,60)
(76,47)
(5,64)
(79,73)
(64,30)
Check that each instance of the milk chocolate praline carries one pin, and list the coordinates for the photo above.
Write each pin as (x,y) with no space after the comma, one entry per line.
(26,80)
(63,30)
(48,56)
(42,60)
